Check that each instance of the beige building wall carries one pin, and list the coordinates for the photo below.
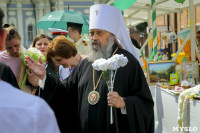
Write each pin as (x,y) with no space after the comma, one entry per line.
(183,21)
(160,20)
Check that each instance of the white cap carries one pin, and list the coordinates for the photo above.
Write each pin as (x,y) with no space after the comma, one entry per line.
(57,31)
(110,18)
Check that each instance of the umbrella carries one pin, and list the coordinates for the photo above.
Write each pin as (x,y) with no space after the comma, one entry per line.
(59,19)
(85,28)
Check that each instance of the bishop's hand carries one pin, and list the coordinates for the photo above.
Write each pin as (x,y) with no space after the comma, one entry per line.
(32,78)
(115,100)
(38,68)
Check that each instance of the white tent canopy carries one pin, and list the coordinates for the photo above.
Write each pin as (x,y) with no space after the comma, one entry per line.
(140,11)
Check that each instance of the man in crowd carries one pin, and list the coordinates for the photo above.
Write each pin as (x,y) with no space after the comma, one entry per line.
(75,31)
(198,39)
(85,93)
(137,49)
(22,112)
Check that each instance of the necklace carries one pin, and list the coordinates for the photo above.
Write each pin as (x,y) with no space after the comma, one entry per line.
(93,96)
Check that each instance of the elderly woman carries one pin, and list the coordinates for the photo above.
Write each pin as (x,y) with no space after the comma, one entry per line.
(64,52)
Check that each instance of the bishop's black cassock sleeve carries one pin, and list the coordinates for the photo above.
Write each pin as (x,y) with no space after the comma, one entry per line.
(139,103)
(63,101)
(139,107)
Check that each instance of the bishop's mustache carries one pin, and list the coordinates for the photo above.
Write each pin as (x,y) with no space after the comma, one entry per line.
(95,42)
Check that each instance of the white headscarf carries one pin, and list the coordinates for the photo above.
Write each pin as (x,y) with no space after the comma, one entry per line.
(110,18)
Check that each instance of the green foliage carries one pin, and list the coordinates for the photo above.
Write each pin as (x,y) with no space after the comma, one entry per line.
(105,75)
(171,69)
(153,72)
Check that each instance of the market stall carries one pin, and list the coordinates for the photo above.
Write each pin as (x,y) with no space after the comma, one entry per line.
(167,109)
(167,100)
(194,111)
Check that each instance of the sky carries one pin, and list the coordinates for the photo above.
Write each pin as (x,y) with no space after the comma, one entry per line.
(160,66)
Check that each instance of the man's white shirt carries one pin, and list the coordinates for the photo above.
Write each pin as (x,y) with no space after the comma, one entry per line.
(24,113)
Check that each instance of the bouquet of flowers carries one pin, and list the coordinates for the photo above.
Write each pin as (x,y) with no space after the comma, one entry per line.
(109,68)
(33,53)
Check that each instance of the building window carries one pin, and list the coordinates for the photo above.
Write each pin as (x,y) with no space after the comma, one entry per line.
(30,33)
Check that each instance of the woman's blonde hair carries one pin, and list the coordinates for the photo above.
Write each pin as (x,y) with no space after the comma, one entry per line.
(12,32)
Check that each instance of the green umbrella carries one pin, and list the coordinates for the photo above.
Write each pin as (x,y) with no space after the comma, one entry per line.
(59,19)
(85,28)
(123,4)
(180,1)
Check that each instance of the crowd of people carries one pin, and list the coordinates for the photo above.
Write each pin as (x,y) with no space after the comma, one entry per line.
(20,112)
(62,88)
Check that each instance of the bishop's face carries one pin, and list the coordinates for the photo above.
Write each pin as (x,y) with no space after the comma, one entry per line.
(101,42)
(99,38)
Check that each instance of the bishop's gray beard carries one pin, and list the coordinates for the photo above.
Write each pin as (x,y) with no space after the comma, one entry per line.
(101,51)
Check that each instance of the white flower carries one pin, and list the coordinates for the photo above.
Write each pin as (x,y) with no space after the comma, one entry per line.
(33,50)
(33,53)
(112,63)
